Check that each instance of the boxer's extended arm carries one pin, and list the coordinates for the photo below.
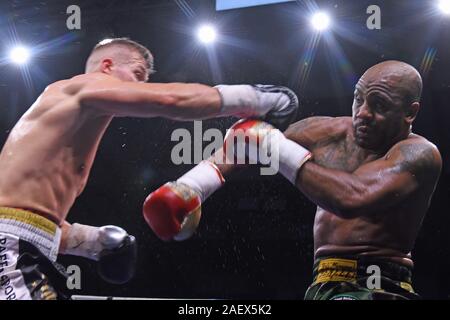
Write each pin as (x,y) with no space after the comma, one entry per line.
(187,101)
(374,186)
(173,100)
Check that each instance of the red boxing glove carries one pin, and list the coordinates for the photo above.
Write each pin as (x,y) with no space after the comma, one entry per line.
(173,211)
(244,140)
(256,142)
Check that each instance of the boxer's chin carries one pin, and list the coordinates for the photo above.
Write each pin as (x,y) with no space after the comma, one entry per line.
(363,138)
(364,142)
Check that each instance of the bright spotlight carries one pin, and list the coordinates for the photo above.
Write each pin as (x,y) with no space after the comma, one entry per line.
(206,34)
(444,5)
(320,21)
(19,55)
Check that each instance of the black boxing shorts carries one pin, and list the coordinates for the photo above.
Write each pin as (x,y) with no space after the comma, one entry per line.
(28,248)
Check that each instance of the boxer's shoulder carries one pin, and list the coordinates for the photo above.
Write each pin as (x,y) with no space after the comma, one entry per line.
(62,96)
(415,145)
(78,83)
(417,154)
(312,130)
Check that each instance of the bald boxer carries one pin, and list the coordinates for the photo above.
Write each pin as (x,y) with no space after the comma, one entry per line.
(370,176)
(46,160)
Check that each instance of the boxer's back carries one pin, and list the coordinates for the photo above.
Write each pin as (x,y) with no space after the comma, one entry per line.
(45,162)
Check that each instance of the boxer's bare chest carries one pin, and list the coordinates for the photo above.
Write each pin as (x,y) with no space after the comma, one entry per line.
(343,154)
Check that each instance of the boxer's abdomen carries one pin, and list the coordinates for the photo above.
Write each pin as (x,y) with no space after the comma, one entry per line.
(46,160)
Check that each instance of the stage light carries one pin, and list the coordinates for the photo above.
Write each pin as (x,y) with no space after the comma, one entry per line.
(320,21)
(206,34)
(444,5)
(19,55)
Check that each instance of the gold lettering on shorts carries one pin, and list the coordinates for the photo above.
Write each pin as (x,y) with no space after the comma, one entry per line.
(336,270)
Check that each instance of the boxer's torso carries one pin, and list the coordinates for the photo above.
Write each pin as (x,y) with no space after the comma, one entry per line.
(390,233)
(45,162)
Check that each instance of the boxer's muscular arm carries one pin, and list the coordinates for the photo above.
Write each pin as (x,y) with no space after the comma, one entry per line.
(376,185)
(173,100)
(308,132)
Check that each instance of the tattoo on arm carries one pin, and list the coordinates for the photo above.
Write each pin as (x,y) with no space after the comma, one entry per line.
(420,160)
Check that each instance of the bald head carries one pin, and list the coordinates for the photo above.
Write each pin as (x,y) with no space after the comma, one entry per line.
(398,76)
(387,101)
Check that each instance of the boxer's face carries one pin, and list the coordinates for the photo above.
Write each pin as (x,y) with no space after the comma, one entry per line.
(129,66)
(378,112)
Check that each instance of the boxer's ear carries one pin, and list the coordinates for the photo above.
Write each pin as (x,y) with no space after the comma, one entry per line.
(411,112)
(106,66)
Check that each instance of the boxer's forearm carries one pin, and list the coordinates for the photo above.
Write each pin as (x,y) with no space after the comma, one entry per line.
(74,237)
(172,100)
(111,246)
(330,189)
(187,101)
(65,228)
(181,101)
(226,167)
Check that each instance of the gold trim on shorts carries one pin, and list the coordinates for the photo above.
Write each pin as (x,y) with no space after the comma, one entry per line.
(29,218)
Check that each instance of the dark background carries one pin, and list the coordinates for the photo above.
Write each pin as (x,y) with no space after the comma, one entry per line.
(255,237)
